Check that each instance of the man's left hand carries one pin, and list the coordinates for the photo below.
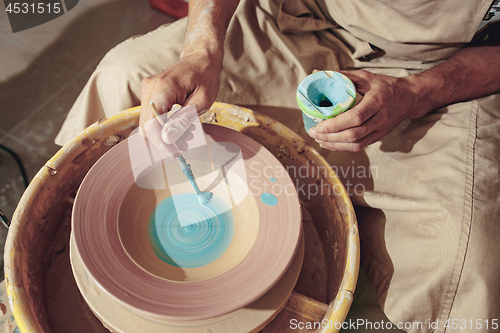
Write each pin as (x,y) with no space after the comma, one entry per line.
(386,103)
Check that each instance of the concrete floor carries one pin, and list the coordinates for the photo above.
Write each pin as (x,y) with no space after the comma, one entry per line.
(42,71)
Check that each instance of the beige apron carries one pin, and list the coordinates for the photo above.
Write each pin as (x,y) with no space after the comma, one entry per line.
(417,29)
(427,195)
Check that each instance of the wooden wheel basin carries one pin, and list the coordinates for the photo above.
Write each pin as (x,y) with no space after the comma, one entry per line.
(40,283)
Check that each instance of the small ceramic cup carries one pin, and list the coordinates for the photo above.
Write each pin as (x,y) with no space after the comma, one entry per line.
(324,95)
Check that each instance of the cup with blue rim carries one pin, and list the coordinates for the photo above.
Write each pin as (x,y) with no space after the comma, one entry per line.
(324,95)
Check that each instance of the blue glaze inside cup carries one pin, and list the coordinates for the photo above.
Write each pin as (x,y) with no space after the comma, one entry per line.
(324,95)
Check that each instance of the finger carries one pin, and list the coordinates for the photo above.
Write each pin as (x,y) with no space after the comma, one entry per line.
(165,97)
(201,103)
(350,135)
(146,114)
(167,91)
(352,146)
(150,131)
(360,78)
(355,134)
(202,99)
(164,91)
(352,118)
(149,88)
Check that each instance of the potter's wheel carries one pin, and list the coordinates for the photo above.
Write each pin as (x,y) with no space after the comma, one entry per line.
(113,241)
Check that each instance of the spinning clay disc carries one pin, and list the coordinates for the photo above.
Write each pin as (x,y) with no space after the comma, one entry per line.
(161,253)
(247,319)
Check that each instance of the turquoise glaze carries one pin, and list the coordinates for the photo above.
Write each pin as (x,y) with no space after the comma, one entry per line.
(269,199)
(208,232)
(273,179)
(324,95)
(203,197)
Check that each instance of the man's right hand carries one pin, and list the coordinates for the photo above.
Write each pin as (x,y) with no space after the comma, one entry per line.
(192,80)
(195,78)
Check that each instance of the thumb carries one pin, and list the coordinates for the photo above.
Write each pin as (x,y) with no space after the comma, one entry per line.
(358,77)
(202,99)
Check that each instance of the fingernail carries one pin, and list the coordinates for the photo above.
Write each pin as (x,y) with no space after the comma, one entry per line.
(312,132)
(320,129)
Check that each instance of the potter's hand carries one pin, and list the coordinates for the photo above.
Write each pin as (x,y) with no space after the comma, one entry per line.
(388,100)
(194,79)
(386,103)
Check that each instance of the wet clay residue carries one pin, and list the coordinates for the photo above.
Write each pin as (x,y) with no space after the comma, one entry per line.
(285,151)
(313,276)
(300,146)
(113,140)
(3,308)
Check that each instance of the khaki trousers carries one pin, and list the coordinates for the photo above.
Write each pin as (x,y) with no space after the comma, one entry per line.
(427,196)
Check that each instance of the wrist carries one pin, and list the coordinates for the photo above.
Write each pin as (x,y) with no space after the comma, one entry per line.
(426,92)
(207,47)
(205,51)
(204,58)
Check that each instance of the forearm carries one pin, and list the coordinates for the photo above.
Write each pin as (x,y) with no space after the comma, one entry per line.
(207,24)
(472,73)
(195,78)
